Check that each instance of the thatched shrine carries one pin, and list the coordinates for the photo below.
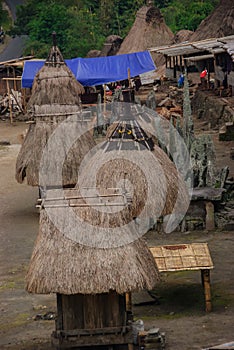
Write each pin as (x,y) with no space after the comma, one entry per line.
(218,24)
(149,30)
(55,99)
(90,249)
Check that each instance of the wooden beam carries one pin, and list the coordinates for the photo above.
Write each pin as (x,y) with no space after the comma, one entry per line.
(12,79)
(205,275)
(128,297)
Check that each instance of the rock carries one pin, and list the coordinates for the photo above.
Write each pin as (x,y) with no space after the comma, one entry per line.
(4,143)
(226,133)
(229,226)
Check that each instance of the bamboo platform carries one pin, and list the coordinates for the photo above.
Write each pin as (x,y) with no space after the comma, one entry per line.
(181,257)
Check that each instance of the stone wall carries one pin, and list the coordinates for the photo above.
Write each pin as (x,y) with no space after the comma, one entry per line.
(211,108)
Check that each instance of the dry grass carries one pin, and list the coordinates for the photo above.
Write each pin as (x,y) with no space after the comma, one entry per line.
(218,24)
(55,98)
(60,265)
(148,30)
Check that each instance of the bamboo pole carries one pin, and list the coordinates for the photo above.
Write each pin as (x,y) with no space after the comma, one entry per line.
(81,197)
(207,290)
(83,205)
(104,97)
(15,87)
(9,101)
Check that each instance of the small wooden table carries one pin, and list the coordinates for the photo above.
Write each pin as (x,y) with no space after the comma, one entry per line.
(181,257)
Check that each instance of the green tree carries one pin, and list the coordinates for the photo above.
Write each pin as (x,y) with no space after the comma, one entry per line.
(82,25)
(186,14)
(4,17)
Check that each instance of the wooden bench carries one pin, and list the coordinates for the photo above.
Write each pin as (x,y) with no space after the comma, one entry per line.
(181,257)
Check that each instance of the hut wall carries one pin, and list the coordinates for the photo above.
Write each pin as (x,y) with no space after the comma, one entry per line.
(81,311)
(170,73)
(219,74)
(96,321)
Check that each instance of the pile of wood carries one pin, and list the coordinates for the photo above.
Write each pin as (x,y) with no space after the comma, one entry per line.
(11,102)
(168,108)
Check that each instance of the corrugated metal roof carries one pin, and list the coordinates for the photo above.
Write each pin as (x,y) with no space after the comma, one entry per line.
(199,58)
(213,45)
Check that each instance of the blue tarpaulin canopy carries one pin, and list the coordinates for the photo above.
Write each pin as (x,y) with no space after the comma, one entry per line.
(97,71)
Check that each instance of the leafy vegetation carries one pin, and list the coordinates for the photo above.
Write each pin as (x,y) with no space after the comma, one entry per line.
(5,21)
(82,25)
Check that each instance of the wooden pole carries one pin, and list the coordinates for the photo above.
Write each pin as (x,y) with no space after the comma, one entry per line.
(15,87)
(128,298)
(207,290)
(129,79)
(104,99)
(9,101)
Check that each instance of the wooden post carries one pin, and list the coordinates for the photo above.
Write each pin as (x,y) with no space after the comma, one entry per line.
(104,97)
(9,100)
(128,297)
(15,86)
(129,79)
(207,290)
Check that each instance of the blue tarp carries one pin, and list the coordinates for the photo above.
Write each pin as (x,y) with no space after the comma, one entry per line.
(97,71)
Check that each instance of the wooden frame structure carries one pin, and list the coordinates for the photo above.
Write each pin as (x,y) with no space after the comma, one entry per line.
(92,320)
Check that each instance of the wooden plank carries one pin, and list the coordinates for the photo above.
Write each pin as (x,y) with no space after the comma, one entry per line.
(95,340)
(72,311)
(91,332)
(59,320)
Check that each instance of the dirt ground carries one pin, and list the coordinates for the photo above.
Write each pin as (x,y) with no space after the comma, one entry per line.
(179,311)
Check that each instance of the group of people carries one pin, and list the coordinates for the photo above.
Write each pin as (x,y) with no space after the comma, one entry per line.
(203,75)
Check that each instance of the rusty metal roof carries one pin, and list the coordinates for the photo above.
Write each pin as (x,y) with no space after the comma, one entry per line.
(212,45)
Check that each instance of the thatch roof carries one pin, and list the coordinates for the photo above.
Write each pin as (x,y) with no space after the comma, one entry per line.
(88,245)
(218,24)
(182,36)
(61,265)
(148,30)
(55,97)
(111,45)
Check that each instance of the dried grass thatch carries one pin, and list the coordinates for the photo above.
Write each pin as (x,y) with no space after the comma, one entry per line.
(111,45)
(61,265)
(182,36)
(218,24)
(148,30)
(29,158)
(153,170)
(102,251)
(55,97)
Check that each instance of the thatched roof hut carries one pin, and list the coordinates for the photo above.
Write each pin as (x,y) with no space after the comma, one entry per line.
(182,36)
(148,30)
(61,265)
(103,251)
(218,24)
(55,97)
